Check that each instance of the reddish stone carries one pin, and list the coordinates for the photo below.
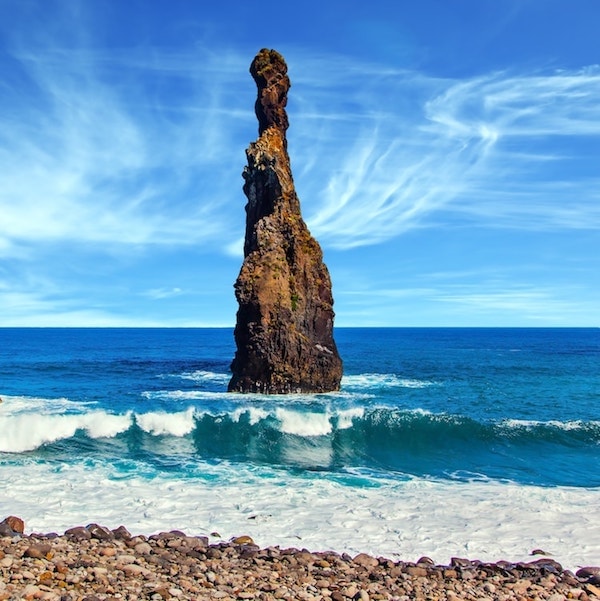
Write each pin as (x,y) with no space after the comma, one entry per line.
(38,551)
(366,561)
(16,524)
(100,532)
(78,533)
(121,533)
(588,571)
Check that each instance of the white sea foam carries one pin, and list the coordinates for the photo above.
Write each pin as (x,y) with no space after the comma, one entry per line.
(161,423)
(16,405)
(560,425)
(203,395)
(383,381)
(421,411)
(346,417)
(303,424)
(205,376)
(255,414)
(298,422)
(401,520)
(207,396)
(183,395)
(103,425)
(27,431)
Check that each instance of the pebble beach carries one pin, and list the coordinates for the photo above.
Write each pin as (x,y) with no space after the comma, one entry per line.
(95,563)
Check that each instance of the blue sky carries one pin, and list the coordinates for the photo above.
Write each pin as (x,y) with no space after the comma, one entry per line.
(446,154)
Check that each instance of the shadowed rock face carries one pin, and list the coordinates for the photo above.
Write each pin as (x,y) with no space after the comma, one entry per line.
(284,331)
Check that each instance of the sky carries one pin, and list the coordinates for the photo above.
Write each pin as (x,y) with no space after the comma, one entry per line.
(446,154)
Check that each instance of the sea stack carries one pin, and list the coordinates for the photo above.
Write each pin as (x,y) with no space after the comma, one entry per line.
(284,329)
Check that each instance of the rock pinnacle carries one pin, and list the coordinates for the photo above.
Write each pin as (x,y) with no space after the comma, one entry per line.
(284,329)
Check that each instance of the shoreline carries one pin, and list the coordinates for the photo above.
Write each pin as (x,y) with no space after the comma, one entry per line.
(489,521)
(98,564)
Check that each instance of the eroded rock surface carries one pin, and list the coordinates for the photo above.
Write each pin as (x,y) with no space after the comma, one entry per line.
(284,331)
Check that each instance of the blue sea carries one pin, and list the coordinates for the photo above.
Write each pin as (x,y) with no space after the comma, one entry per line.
(482,443)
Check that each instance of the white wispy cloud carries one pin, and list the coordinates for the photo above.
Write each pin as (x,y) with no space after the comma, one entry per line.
(160,293)
(103,152)
(501,149)
(500,302)
(544,304)
(86,159)
(34,300)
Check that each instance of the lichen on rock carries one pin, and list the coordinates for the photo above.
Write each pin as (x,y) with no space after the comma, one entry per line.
(284,329)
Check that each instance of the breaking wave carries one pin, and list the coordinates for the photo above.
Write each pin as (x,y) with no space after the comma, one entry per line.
(314,434)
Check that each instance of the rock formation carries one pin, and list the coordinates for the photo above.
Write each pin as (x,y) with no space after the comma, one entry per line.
(284,330)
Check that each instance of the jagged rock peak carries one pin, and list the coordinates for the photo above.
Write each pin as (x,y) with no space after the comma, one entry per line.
(284,329)
(270,74)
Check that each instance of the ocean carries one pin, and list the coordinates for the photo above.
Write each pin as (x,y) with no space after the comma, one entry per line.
(445,442)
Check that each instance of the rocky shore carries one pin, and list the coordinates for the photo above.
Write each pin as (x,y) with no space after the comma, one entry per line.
(94,563)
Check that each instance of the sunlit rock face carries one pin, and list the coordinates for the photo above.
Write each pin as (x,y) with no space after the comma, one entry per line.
(284,330)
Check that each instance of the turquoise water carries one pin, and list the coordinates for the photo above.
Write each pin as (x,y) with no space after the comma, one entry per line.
(518,405)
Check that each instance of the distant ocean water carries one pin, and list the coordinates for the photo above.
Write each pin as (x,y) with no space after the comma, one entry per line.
(481,443)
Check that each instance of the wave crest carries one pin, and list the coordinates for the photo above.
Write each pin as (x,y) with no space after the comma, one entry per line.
(26,432)
(374,380)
